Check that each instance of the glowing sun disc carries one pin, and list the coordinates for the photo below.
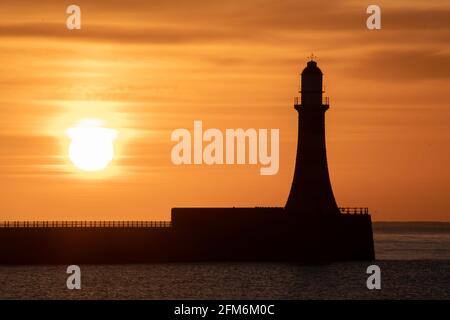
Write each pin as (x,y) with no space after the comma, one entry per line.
(91,148)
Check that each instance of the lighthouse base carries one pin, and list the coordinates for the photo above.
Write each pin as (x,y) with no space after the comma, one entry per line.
(271,234)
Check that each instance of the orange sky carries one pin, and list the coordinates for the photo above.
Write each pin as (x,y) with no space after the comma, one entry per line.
(150,67)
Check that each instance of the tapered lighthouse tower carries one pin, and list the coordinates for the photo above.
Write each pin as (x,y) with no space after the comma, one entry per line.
(311,194)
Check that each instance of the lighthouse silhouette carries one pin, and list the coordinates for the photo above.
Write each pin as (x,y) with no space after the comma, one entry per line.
(309,228)
(311,192)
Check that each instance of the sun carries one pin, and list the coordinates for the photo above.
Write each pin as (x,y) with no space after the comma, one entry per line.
(92,146)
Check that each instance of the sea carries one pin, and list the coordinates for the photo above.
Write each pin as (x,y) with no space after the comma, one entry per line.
(414,262)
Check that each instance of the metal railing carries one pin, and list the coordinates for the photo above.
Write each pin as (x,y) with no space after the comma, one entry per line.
(298,101)
(123,224)
(85,224)
(355,210)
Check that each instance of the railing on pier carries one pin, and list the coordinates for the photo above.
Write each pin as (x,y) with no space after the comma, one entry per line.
(354,210)
(85,224)
(298,101)
(122,224)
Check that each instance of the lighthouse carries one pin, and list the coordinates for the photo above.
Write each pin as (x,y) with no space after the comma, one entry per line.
(311,194)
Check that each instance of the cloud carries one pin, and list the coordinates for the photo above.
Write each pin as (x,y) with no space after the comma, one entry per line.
(402,65)
(157,35)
